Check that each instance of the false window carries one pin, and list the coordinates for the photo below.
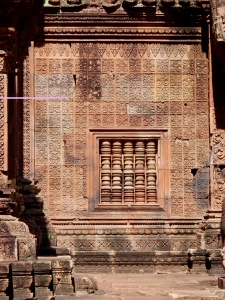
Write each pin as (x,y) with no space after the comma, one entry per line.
(128,169)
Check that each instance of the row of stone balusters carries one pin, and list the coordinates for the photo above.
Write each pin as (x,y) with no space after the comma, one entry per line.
(128,171)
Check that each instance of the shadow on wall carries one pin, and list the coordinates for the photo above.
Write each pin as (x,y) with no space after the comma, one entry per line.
(218,73)
(34,214)
(201,189)
(218,80)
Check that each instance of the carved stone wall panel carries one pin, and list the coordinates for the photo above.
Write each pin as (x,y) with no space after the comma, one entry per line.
(128,243)
(119,85)
(219,187)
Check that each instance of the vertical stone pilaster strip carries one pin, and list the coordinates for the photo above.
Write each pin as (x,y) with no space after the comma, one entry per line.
(26,118)
(105,171)
(5,105)
(128,172)
(117,171)
(151,172)
(3,123)
(32,112)
(3,115)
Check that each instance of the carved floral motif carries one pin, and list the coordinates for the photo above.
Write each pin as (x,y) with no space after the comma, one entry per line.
(116,84)
(219,143)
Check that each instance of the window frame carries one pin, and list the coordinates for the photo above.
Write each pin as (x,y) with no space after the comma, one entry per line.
(94,166)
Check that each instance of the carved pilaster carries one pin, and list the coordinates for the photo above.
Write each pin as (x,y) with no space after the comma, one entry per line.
(3,117)
(26,119)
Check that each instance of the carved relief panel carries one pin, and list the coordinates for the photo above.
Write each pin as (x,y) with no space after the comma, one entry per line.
(120,85)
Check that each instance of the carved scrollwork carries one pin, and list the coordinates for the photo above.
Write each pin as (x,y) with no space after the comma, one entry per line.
(219,150)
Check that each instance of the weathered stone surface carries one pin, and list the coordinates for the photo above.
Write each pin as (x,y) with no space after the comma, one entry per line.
(63,289)
(4,284)
(4,268)
(42,266)
(42,280)
(3,297)
(21,293)
(85,283)
(22,267)
(22,282)
(42,293)
(61,264)
(54,251)
(197,260)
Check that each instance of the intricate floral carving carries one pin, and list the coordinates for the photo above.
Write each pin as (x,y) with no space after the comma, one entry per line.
(162,65)
(115,48)
(219,146)
(144,73)
(219,188)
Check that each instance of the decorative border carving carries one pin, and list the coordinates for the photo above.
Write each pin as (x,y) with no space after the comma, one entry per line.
(3,123)
(148,33)
(128,243)
(26,119)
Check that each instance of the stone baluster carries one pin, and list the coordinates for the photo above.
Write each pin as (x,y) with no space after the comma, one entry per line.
(139,171)
(105,171)
(116,171)
(128,149)
(151,171)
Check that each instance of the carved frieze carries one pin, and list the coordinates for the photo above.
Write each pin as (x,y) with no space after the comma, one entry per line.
(128,244)
(146,33)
